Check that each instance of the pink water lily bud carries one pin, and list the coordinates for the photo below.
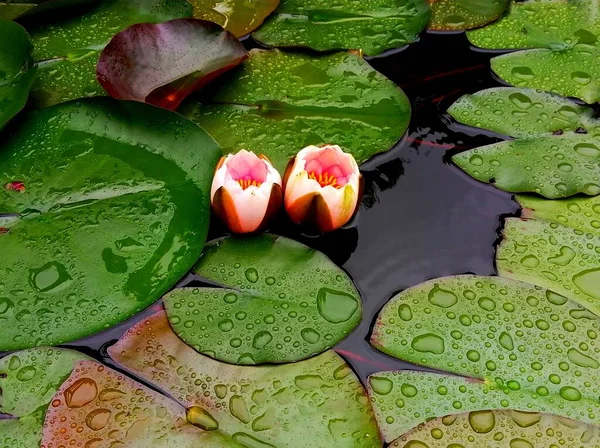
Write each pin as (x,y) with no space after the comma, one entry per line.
(323,187)
(246,191)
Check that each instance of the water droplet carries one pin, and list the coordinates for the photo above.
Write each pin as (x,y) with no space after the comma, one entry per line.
(336,306)
(428,343)
(582,360)
(582,78)
(221,391)
(230,298)
(506,341)
(98,419)
(476,160)
(381,385)
(570,393)
(226,325)
(520,443)
(589,282)
(310,335)
(482,422)
(405,312)
(262,339)
(81,392)
(26,373)
(473,355)
(587,150)
(408,390)
(201,418)
(250,442)
(487,304)
(239,409)
(525,419)
(48,277)
(520,100)
(308,382)
(266,421)
(442,298)
(251,275)
(522,73)
(530,261)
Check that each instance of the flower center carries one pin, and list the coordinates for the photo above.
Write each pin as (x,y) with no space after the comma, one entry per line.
(246,183)
(325,179)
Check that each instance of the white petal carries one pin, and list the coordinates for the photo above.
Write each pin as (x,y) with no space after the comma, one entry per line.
(251,207)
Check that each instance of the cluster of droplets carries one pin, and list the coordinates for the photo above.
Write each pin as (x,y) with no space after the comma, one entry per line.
(554,256)
(554,167)
(274,314)
(253,404)
(500,429)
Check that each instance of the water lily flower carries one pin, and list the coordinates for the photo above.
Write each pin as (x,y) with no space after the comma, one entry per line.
(246,191)
(323,187)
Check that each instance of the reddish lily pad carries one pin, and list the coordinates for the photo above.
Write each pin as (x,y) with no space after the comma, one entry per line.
(578,213)
(460,15)
(163,63)
(28,381)
(238,16)
(318,402)
(500,429)
(560,258)
(273,283)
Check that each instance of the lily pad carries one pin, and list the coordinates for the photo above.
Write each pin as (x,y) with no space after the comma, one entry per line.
(560,258)
(28,381)
(104,207)
(523,113)
(238,16)
(16,69)
(553,24)
(273,283)
(508,335)
(324,25)
(499,429)
(107,408)
(402,400)
(460,15)
(67,52)
(578,213)
(14,9)
(163,63)
(299,100)
(318,402)
(553,167)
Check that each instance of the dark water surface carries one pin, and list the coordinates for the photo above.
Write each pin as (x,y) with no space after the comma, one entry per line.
(421,217)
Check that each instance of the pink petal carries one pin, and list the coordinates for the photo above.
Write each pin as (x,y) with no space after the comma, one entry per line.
(314,166)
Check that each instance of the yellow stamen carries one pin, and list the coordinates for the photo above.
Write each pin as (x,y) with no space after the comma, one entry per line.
(325,179)
(246,183)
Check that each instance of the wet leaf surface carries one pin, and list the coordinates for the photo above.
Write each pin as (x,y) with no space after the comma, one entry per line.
(14,9)
(28,381)
(323,25)
(577,213)
(510,336)
(238,16)
(163,63)
(105,206)
(500,429)
(284,302)
(297,100)
(560,258)
(67,52)
(318,402)
(16,70)
(522,113)
(460,15)
(553,167)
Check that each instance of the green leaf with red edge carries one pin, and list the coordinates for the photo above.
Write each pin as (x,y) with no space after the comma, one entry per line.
(298,100)
(282,302)
(17,71)
(67,48)
(318,402)
(500,429)
(104,207)
(523,113)
(577,213)
(238,16)
(161,64)
(324,25)
(519,346)
(100,407)
(460,15)
(28,381)
(551,255)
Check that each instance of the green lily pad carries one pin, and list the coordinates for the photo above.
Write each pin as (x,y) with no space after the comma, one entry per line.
(523,113)
(553,167)
(578,213)
(493,330)
(278,103)
(554,24)
(460,15)
(318,402)
(104,207)
(67,52)
(273,283)
(13,9)
(560,258)
(238,16)
(324,25)
(500,429)
(573,72)
(28,381)
(16,70)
